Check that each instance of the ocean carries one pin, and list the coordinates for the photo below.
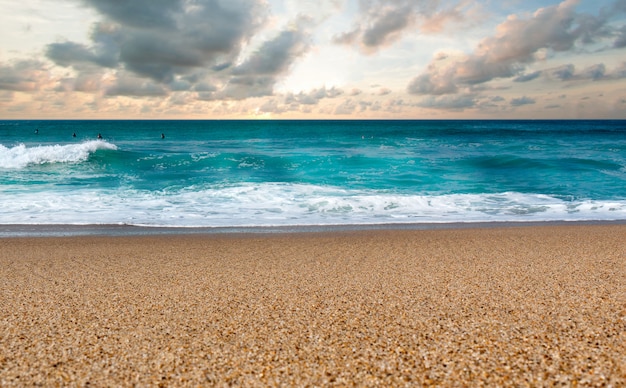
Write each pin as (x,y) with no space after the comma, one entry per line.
(241,174)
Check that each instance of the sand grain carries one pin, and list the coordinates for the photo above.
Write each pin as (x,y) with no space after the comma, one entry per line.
(507,306)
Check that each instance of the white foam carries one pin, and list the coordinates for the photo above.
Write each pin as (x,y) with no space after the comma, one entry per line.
(20,156)
(290,204)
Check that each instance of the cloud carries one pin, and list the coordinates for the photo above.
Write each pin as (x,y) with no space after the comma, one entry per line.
(382,22)
(451,102)
(184,45)
(597,72)
(272,106)
(206,27)
(275,55)
(620,71)
(522,101)
(257,75)
(104,52)
(304,102)
(165,38)
(347,107)
(6,96)
(516,44)
(312,97)
(434,83)
(136,87)
(84,82)
(69,53)
(140,13)
(527,77)
(620,41)
(387,22)
(23,76)
(564,72)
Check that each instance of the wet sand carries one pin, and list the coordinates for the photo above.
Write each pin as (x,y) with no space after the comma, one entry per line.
(512,306)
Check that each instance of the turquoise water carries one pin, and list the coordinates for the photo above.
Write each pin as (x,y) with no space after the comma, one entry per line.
(268,173)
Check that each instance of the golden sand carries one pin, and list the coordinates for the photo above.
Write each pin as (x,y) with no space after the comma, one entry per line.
(535,306)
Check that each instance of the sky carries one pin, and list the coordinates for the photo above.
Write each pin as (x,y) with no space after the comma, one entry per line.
(312,59)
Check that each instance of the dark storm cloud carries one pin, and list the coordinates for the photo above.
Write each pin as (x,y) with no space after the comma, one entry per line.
(140,13)
(68,53)
(135,87)
(183,45)
(104,51)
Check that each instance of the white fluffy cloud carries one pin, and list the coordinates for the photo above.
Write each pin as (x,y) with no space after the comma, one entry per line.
(516,44)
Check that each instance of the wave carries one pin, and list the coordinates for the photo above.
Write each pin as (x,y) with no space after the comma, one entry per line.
(21,156)
(250,205)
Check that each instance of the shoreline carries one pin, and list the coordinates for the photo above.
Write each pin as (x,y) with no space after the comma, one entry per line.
(494,306)
(73,230)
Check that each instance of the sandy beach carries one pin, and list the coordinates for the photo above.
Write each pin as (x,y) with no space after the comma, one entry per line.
(514,306)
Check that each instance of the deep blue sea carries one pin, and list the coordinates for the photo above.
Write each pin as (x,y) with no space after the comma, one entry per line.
(303,173)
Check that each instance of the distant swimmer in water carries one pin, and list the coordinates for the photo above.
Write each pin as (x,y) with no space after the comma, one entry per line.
(36,131)
(162,136)
(99,136)
(74,134)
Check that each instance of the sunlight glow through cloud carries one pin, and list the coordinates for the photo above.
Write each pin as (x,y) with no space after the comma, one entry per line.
(305,59)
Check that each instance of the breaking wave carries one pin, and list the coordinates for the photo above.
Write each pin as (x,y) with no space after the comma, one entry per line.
(292,205)
(21,156)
